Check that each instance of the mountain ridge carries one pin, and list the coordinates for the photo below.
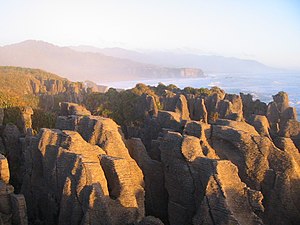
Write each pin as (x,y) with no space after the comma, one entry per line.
(79,66)
(208,63)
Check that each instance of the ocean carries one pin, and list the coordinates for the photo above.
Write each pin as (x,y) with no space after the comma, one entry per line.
(260,86)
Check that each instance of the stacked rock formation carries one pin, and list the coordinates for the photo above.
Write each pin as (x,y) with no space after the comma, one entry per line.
(12,206)
(26,121)
(49,89)
(83,174)
(198,160)
(283,118)
(241,168)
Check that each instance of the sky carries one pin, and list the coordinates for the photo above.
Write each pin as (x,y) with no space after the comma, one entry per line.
(264,30)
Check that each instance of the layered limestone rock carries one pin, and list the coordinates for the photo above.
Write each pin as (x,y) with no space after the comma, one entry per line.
(146,107)
(212,102)
(287,145)
(227,172)
(178,181)
(146,112)
(67,109)
(201,190)
(88,174)
(182,108)
(170,120)
(26,120)
(12,206)
(50,91)
(241,169)
(261,124)
(70,181)
(13,148)
(283,118)
(191,100)
(73,91)
(263,167)
(227,200)
(252,107)
(279,112)
(266,163)
(100,131)
(291,129)
(4,170)
(19,209)
(175,119)
(198,110)
(230,107)
(201,131)
(169,101)
(155,193)
(176,103)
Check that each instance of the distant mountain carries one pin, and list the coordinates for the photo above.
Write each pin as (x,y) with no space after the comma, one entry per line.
(208,63)
(80,66)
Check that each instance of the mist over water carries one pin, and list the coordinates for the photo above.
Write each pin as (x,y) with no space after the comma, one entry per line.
(260,86)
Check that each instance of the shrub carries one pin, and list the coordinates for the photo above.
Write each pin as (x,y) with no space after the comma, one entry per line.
(41,119)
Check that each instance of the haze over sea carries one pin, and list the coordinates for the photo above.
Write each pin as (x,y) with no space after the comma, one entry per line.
(260,86)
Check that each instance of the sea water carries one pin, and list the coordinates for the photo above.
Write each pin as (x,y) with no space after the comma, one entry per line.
(260,86)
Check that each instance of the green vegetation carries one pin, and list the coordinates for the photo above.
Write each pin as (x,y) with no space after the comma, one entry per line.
(198,91)
(161,88)
(120,106)
(15,86)
(42,119)
(12,115)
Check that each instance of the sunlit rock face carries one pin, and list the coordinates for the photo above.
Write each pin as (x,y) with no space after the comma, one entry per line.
(201,189)
(70,180)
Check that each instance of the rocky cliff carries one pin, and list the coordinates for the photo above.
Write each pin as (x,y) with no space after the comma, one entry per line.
(36,88)
(12,206)
(186,157)
(235,162)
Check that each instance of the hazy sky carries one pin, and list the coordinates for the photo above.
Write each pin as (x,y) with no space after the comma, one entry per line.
(265,30)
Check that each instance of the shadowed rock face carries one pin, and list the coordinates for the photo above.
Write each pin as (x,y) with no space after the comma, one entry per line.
(197,108)
(182,108)
(261,125)
(252,107)
(231,107)
(176,103)
(11,135)
(155,193)
(12,206)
